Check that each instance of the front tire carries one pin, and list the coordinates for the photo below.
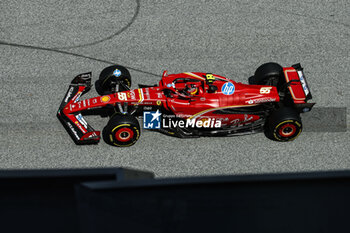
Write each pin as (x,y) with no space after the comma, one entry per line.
(110,76)
(283,125)
(121,131)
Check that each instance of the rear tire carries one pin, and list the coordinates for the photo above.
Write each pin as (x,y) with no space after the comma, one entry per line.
(268,74)
(121,131)
(283,125)
(109,76)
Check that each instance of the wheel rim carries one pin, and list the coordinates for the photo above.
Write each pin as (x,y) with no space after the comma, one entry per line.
(124,134)
(287,130)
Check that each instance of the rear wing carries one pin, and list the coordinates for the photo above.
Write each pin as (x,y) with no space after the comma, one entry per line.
(298,87)
(77,127)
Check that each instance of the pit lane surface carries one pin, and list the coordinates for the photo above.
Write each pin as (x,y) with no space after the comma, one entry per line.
(45,44)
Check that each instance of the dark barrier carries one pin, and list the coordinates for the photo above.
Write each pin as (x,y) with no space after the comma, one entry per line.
(45,200)
(309,202)
(122,200)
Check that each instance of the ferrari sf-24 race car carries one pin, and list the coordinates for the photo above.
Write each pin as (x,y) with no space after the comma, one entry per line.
(187,105)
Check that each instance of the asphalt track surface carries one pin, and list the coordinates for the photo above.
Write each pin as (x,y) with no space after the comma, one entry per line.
(44,44)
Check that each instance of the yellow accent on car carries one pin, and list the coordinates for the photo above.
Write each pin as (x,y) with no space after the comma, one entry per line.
(291,139)
(120,126)
(105,98)
(210,78)
(140,95)
(194,75)
(283,123)
(194,92)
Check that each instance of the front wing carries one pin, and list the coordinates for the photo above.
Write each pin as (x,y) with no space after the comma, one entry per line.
(80,131)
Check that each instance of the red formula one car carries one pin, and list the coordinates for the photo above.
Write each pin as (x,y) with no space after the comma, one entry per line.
(188,105)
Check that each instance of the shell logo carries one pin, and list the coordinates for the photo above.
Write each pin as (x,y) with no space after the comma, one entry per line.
(105,99)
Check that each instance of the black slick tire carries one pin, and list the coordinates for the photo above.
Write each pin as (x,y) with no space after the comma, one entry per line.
(283,125)
(109,76)
(121,130)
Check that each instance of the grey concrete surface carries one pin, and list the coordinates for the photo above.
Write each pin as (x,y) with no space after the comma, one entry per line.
(44,44)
